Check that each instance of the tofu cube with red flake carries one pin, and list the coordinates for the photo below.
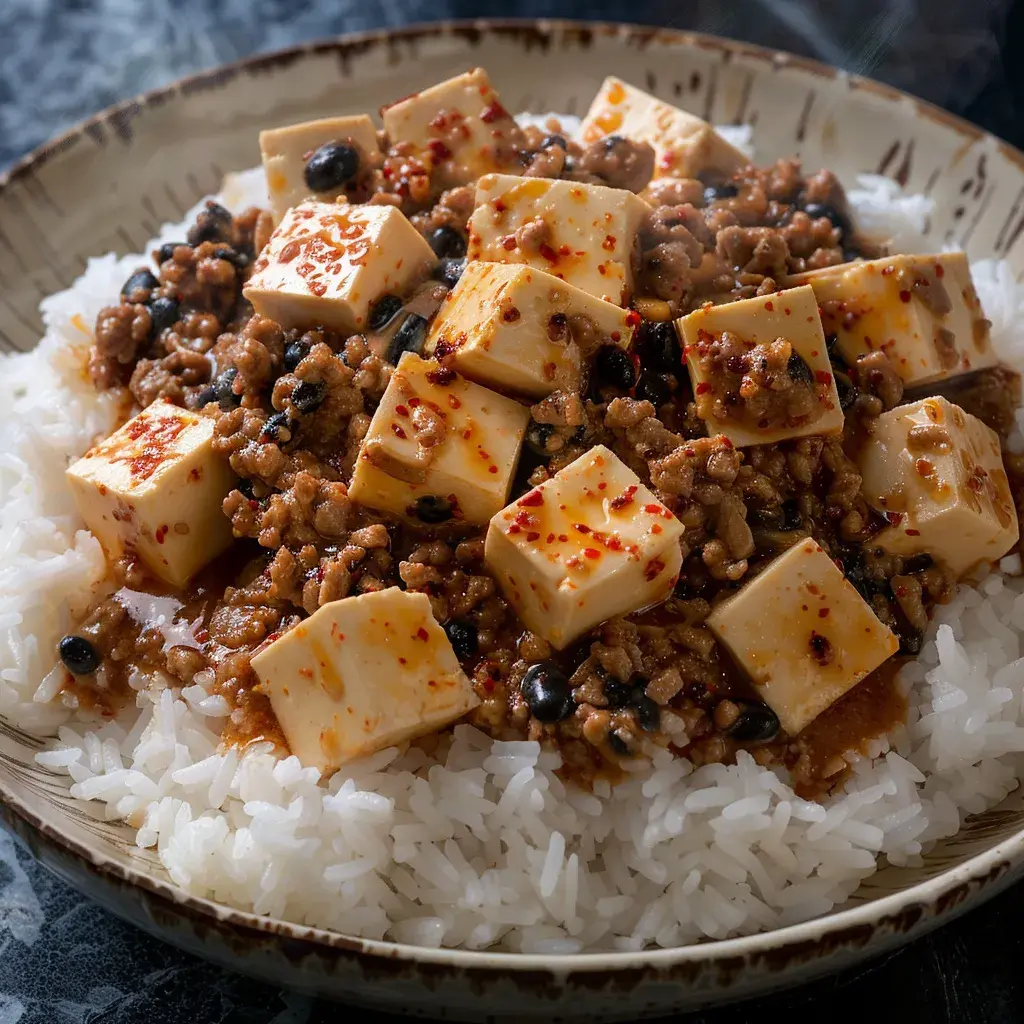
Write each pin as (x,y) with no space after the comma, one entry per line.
(684,145)
(155,488)
(922,311)
(937,474)
(439,447)
(802,634)
(760,369)
(511,326)
(328,263)
(590,543)
(460,123)
(362,674)
(584,234)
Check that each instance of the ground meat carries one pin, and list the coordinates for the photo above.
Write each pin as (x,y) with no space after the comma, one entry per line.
(754,250)
(874,372)
(618,162)
(532,235)
(168,377)
(120,332)
(452,210)
(674,192)
(992,395)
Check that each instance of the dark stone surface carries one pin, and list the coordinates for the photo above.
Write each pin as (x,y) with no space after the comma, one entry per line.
(65,961)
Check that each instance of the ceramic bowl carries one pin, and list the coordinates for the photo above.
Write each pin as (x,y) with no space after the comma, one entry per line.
(109,183)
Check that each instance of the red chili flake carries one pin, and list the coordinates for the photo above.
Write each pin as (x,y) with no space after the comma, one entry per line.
(422,634)
(893,518)
(703,387)
(616,336)
(550,538)
(499,206)
(491,113)
(624,498)
(253,504)
(633,318)
(454,402)
(904,295)
(492,469)
(602,486)
(510,316)
(614,544)
(581,528)
(563,537)
(653,569)
(608,243)
(823,613)
(654,510)
(534,499)
(161,532)
(726,442)
(940,270)
(548,253)
(515,528)
(413,402)
(913,533)
(591,553)
(441,377)
(823,376)
(397,430)
(656,528)
(401,410)
(438,150)
(525,518)
(770,306)
(532,536)
(509,243)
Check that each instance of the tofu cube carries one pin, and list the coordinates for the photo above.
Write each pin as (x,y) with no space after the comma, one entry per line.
(684,145)
(922,311)
(460,121)
(361,674)
(735,363)
(508,326)
(286,150)
(583,234)
(802,634)
(439,447)
(155,487)
(328,263)
(937,474)
(590,543)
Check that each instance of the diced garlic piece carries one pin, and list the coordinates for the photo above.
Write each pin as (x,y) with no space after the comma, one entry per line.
(583,234)
(791,315)
(327,263)
(802,634)
(590,543)
(361,674)
(156,487)
(937,474)
(439,447)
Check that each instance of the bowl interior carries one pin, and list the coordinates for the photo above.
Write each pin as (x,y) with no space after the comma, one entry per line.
(110,184)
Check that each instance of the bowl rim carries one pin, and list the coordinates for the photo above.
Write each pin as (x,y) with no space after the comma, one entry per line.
(942,894)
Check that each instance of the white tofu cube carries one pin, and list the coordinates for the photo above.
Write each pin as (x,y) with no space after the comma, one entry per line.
(439,447)
(583,234)
(328,263)
(362,674)
(937,474)
(740,396)
(802,634)
(155,487)
(684,145)
(588,544)
(460,120)
(286,150)
(922,311)
(509,326)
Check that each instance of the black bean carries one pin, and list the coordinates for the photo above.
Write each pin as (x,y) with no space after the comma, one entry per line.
(331,166)
(653,388)
(554,140)
(648,714)
(279,428)
(410,337)
(246,489)
(223,387)
(832,347)
(141,281)
(911,641)
(658,346)
(447,243)
(545,688)
(725,190)
(431,508)
(464,638)
(619,742)
(214,224)
(757,722)
(791,517)
(206,396)
(798,370)
(232,256)
(163,313)
(819,210)
(617,694)
(383,311)
(918,563)
(613,368)
(294,353)
(307,395)
(610,142)
(537,435)
(847,390)
(166,251)
(78,655)
(448,272)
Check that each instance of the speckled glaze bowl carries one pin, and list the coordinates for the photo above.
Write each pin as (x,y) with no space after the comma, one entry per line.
(110,182)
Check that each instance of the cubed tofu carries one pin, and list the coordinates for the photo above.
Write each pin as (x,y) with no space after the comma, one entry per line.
(328,263)
(286,150)
(439,447)
(361,674)
(937,474)
(584,234)
(738,404)
(460,122)
(802,634)
(509,326)
(684,145)
(155,487)
(922,311)
(590,543)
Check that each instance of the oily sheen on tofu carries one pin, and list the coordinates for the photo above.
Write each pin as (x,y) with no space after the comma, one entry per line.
(585,234)
(156,487)
(802,634)
(684,145)
(469,460)
(509,326)
(286,150)
(361,674)
(937,473)
(922,311)
(328,263)
(790,314)
(590,543)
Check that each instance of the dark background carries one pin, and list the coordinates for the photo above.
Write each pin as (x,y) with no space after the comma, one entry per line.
(65,961)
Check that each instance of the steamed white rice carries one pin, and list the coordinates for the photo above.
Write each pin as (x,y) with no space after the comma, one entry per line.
(480,843)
